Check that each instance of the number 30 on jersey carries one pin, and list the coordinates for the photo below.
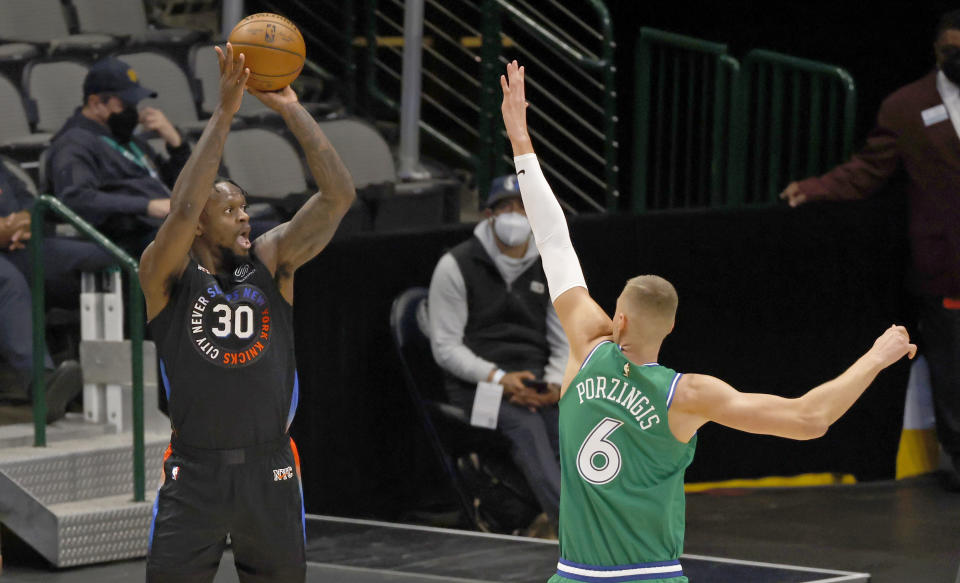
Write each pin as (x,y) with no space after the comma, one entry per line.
(598,460)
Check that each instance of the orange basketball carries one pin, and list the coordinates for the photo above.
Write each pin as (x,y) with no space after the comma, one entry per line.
(273,49)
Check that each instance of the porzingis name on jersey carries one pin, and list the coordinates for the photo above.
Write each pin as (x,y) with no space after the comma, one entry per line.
(620,391)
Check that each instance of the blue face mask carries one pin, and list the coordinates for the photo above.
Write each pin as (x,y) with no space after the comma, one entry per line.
(511,228)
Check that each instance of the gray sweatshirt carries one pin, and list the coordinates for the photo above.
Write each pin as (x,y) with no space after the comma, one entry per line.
(448,314)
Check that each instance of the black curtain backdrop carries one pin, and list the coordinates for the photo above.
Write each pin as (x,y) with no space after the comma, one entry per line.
(771,300)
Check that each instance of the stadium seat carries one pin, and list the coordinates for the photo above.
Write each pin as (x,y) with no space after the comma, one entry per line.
(175,95)
(43,22)
(16,52)
(57,89)
(452,438)
(264,163)
(206,73)
(15,121)
(127,19)
(13,168)
(363,150)
(395,205)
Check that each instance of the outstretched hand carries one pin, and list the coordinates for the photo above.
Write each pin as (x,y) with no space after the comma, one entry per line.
(233,78)
(793,195)
(892,345)
(514,108)
(275,100)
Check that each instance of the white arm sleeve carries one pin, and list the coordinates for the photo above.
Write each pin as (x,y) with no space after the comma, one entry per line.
(560,263)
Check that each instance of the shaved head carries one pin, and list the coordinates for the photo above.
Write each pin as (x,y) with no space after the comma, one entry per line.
(649,303)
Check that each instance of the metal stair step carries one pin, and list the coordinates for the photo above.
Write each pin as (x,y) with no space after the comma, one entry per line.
(70,427)
(75,470)
(102,529)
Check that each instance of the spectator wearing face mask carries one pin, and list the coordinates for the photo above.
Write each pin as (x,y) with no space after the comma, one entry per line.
(918,136)
(491,320)
(102,171)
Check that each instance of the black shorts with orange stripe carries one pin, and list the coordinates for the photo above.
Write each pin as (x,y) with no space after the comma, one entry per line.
(252,495)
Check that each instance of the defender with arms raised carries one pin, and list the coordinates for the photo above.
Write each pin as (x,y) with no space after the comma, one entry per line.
(627,424)
(220,309)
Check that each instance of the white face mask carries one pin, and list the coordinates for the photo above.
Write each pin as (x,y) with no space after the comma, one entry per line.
(511,228)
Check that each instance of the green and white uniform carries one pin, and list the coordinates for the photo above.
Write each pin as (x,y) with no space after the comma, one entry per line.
(622,508)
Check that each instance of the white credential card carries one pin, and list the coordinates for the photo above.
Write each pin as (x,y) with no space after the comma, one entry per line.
(486,405)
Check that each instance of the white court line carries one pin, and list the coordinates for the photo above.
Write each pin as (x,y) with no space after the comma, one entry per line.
(843,576)
(507,537)
(846,575)
(395,574)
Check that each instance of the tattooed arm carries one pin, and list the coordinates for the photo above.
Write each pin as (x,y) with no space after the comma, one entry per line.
(290,245)
(166,257)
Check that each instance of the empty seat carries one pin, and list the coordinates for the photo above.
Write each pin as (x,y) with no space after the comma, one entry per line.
(127,19)
(15,169)
(44,22)
(175,96)
(264,163)
(206,71)
(57,89)
(10,52)
(363,150)
(394,205)
(14,120)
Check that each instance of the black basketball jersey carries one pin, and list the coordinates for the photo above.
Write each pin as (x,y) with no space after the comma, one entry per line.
(225,343)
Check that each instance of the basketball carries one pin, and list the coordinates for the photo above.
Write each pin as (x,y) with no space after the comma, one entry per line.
(273,48)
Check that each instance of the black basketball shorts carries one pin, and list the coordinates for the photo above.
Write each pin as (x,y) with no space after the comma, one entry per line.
(253,495)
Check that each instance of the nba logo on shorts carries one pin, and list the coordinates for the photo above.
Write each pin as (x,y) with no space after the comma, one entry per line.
(175,472)
(271,33)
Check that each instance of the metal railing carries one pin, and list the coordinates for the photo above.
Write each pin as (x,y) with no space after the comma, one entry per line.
(792,118)
(135,311)
(709,132)
(684,88)
(466,45)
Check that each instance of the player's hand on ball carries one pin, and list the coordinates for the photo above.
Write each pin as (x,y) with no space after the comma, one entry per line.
(275,100)
(233,78)
(892,345)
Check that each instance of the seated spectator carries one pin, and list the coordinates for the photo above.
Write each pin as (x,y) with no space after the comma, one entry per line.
(491,320)
(110,177)
(64,260)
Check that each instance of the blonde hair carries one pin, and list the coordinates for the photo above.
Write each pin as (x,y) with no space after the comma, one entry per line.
(653,296)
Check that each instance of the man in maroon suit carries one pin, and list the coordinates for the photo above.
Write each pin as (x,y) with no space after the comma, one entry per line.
(918,132)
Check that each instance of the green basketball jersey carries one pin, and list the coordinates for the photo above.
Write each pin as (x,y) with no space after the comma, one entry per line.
(622,505)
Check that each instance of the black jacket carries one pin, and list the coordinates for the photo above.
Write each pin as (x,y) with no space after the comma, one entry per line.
(98,181)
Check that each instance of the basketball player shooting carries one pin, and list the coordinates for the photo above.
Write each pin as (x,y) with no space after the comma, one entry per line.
(220,309)
(628,424)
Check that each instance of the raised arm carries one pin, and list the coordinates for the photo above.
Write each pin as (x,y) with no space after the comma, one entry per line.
(290,245)
(701,398)
(165,258)
(584,322)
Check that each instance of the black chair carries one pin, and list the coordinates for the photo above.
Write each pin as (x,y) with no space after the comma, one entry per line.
(448,428)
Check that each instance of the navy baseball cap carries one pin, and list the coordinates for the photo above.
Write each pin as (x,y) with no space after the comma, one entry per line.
(503,187)
(115,77)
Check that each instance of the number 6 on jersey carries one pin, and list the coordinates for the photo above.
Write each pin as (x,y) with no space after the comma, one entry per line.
(595,446)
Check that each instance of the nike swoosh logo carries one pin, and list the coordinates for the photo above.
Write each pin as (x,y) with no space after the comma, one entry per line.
(521,172)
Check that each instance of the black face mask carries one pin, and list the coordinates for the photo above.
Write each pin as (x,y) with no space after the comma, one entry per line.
(951,63)
(122,123)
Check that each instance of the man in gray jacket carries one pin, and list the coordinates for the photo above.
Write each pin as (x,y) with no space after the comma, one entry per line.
(491,320)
